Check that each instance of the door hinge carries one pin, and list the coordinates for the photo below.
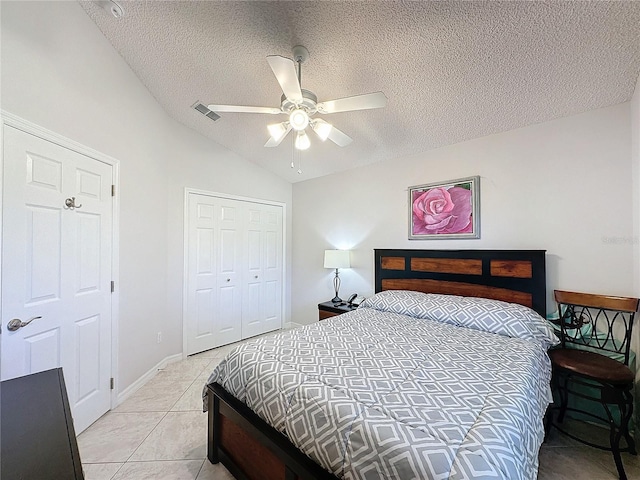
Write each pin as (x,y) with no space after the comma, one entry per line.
(113,190)
(113,286)
(112,383)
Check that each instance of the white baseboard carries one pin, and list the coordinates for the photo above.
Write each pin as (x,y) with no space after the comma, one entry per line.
(152,372)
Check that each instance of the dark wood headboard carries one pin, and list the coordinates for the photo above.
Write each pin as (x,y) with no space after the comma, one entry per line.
(515,276)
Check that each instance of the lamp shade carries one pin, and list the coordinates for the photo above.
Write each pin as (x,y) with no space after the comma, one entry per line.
(302,141)
(337,259)
(277,130)
(299,119)
(322,128)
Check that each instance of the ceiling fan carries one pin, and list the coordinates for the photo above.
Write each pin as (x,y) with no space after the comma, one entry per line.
(301,105)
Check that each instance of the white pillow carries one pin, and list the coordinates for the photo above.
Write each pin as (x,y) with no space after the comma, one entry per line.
(494,316)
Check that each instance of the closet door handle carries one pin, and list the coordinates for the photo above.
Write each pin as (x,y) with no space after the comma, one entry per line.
(256,276)
(228,279)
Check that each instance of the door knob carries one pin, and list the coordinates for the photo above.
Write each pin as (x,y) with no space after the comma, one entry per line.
(16,323)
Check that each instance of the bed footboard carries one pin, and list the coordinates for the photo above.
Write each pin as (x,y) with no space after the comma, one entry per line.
(249,447)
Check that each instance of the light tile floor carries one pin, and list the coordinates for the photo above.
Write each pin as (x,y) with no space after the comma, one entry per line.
(159,433)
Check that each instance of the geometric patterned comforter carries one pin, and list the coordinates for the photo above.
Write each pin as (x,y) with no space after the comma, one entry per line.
(380,395)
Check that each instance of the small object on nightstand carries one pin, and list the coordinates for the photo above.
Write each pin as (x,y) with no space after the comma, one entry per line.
(330,309)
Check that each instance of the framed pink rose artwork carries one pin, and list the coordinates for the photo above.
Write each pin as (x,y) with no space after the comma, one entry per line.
(445,210)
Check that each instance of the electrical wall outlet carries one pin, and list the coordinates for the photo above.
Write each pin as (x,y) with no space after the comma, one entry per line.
(159,337)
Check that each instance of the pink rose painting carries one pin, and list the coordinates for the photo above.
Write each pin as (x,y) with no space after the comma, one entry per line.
(444,209)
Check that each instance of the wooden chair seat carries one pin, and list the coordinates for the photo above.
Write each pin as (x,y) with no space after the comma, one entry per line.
(592,365)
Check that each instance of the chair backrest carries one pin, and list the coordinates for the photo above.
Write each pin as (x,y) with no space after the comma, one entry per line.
(588,321)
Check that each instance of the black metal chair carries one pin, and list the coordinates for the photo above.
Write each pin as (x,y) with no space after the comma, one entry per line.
(582,368)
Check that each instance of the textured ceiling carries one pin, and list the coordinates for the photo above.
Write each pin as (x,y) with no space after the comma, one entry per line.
(451,71)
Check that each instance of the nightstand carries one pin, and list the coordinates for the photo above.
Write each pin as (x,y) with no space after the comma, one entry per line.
(330,309)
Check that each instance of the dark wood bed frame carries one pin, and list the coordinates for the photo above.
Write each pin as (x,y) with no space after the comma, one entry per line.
(253,450)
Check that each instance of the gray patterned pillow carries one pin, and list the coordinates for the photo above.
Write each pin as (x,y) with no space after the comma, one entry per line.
(507,319)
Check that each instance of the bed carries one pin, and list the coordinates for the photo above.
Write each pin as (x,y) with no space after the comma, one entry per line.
(409,385)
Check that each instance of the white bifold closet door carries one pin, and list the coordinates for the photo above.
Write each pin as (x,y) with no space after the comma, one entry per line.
(234,271)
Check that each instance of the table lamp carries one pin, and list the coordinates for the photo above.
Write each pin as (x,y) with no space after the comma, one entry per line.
(336,259)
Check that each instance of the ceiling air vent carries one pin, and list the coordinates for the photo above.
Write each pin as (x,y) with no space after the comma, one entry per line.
(205,111)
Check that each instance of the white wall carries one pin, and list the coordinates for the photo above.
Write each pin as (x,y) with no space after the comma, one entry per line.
(59,72)
(635,240)
(563,186)
(635,159)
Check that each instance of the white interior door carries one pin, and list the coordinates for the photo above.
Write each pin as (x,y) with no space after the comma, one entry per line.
(228,308)
(233,271)
(262,312)
(273,269)
(214,299)
(56,269)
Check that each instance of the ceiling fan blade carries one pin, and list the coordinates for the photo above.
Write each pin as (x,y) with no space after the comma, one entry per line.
(285,71)
(357,102)
(274,143)
(243,109)
(339,138)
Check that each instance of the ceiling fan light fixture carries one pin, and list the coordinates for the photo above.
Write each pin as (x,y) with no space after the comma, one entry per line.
(302,141)
(277,130)
(299,105)
(322,129)
(299,119)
